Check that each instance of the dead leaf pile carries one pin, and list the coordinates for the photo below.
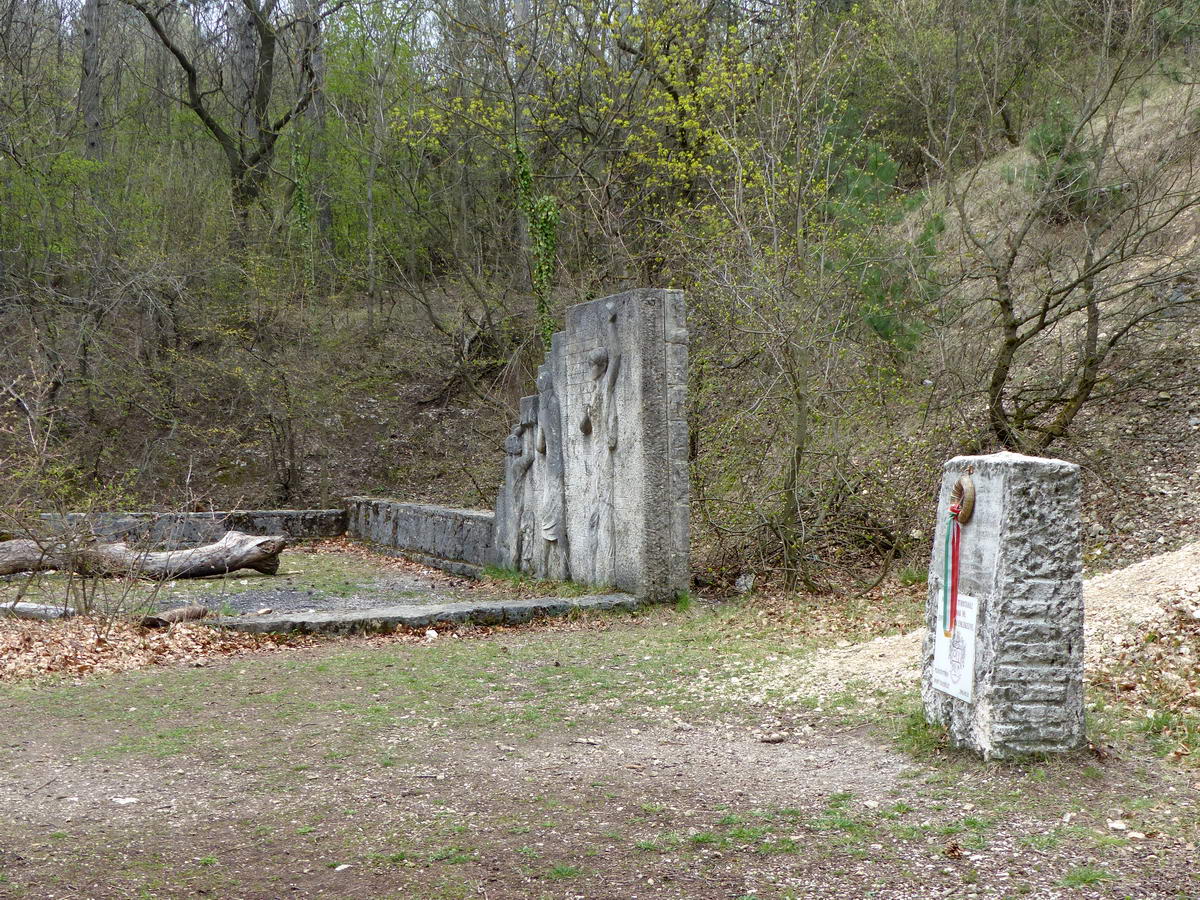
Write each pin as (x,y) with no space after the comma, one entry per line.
(80,646)
(1159,667)
(885,609)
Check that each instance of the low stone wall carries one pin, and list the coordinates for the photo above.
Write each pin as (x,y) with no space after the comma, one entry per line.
(190,529)
(456,540)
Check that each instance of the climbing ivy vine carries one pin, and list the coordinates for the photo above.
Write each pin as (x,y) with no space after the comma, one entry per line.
(541,215)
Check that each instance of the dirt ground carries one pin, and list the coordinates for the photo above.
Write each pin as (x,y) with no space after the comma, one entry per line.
(651,756)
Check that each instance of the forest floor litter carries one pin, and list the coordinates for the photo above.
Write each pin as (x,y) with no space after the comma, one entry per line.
(719,751)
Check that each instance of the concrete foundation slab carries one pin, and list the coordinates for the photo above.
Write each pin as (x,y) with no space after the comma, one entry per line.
(389,618)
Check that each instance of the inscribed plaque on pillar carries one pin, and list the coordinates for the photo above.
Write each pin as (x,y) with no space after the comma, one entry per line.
(954,649)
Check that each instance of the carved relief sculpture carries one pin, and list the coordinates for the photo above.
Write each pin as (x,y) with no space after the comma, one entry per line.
(596,473)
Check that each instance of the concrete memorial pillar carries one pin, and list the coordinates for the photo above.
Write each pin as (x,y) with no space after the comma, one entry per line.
(1003,654)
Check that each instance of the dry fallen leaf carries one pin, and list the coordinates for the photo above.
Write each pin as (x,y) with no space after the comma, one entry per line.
(82,646)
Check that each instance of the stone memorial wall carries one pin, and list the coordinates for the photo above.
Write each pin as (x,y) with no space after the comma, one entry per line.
(596,472)
(1003,654)
(595,477)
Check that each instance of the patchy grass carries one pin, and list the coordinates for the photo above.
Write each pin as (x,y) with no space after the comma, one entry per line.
(573,678)
(914,735)
(585,756)
(454,856)
(1083,876)
(1153,719)
(529,585)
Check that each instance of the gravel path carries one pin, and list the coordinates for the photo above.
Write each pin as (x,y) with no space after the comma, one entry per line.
(386,590)
(1121,608)
(1127,604)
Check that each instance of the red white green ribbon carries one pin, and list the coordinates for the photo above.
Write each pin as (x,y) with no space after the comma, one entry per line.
(950,576)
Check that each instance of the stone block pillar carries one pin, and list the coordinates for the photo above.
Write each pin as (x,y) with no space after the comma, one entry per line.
(1003,656)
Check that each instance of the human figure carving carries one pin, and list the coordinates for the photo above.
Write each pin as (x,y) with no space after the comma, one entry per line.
(518,447)
(551,500)
(600,424)
(598,479)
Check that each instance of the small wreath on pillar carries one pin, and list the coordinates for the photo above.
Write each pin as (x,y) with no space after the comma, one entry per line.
(962,498)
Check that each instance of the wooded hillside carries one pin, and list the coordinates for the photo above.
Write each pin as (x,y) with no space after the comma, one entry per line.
(261,252)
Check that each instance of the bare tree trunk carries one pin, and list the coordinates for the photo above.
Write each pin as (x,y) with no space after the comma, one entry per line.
(522,51)
(90,93)
(244,65)
(372,263)
(244,75)
(1090,360)
(378,131)
(999,421)
(314,42)
(166,79)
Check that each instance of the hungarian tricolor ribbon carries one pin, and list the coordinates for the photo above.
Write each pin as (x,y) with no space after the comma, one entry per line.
(950,579)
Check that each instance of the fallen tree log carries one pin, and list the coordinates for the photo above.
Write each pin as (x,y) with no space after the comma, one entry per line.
(25,556)
(179,614)
(232,552)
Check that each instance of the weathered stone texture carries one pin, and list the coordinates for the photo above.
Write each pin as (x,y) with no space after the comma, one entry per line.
(1021,559)
(179,529)
(389,618)
(596,474)
(26,610)
(456,540)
